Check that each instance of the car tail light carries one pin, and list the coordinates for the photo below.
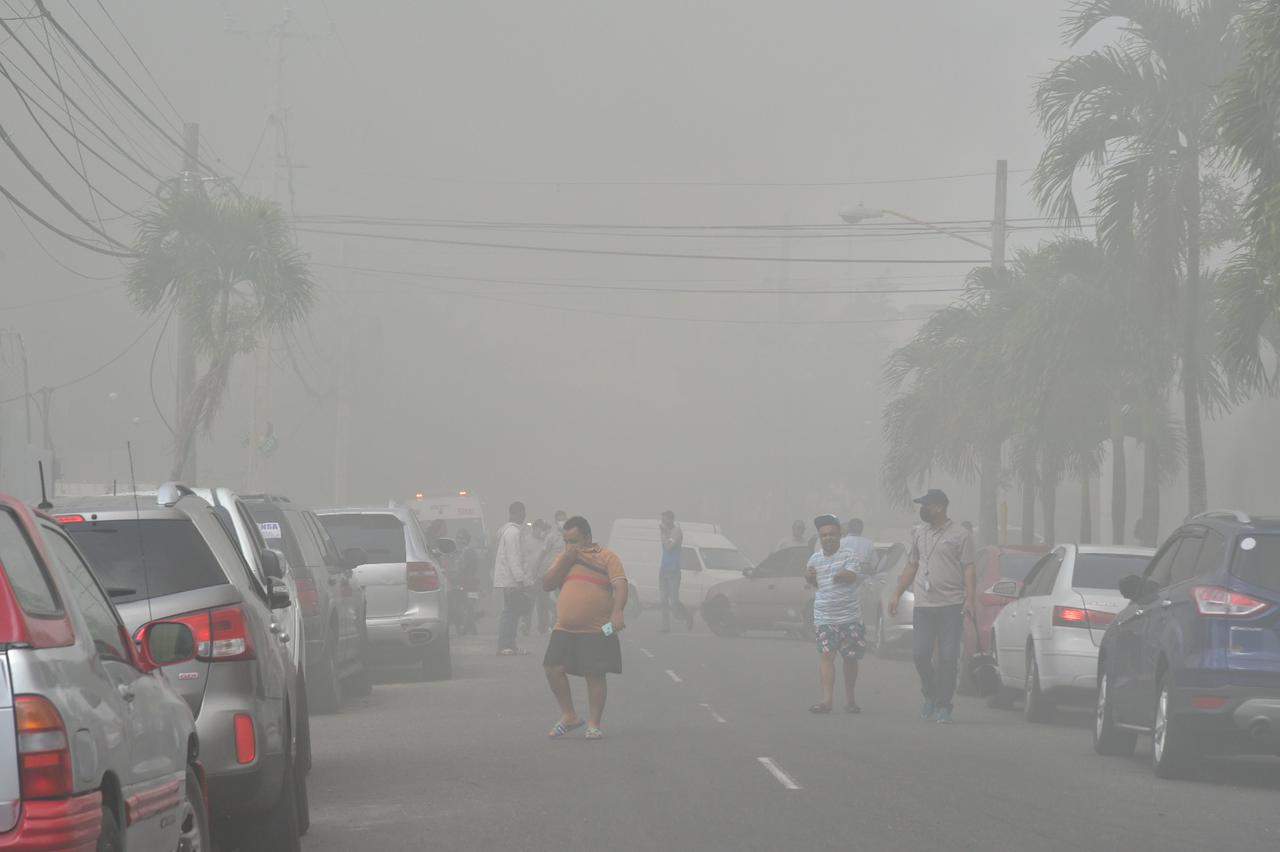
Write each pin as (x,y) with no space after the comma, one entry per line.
(70,519)
(422,577)
(44,754)
(222,635)
(246,739)
(1208,702)
(308,598)
(1215,600)
(1074,616)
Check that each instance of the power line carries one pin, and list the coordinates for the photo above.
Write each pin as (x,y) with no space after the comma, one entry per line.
(627,253)
(43,248)
(95,371)
(72,237)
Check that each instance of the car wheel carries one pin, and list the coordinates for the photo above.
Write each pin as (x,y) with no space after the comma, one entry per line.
(437,663)
(1174,749)
(1107,738)
(326,693)
(109,837)
(1036,706)
(360,684)
(1005,696)
(278,830)
(194,827)
(302,747)
(719,618)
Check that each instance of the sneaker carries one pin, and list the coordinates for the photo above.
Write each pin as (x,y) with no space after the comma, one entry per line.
(927,711)
(944,716)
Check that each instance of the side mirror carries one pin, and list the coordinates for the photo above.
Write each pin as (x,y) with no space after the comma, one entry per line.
(271,564)
(278,596)
(1134,587)
(166,643)
(1001,592)
(446,546)
(354,557)
(748,572)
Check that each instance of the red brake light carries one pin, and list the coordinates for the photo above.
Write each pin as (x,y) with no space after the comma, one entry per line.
(44,754)
(422,577)
(1074,616)
(221,635)
(246,739)
(308,598)
(69,519)
(1215,600)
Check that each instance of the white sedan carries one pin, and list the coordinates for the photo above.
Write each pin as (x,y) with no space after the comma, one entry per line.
(1046,638)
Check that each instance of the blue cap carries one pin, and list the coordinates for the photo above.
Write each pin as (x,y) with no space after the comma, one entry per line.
(933,497)
(825,521)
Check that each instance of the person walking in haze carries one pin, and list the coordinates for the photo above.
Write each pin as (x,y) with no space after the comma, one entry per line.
(858,544)
(584,643)
(511,574)
(669,571)
(941,573)
(798,538)
(550,545)
(837,613)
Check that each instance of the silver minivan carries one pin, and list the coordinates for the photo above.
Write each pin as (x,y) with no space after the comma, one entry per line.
(96,749)
(172,557)
(406,593)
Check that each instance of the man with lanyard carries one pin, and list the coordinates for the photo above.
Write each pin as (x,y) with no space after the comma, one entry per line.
(941,573)
(837,613)
(669,571)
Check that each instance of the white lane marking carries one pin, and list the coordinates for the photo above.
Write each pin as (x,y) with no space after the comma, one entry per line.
(783,778)
(714,715)
(675,677)
(647,653)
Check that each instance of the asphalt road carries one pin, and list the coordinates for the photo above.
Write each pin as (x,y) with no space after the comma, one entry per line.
(709,746)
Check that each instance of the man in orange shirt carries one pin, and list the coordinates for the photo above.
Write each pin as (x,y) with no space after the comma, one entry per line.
(593,594)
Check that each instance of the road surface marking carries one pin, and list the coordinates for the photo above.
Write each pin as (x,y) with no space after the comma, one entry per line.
(647,653)
(714,715)
(783,778)
(675,677)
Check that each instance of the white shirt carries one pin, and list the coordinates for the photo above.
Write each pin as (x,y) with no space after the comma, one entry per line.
(509,564)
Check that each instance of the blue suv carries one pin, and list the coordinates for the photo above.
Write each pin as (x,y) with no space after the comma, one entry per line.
(1194,659)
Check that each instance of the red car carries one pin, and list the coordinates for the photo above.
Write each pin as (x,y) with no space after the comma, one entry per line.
(995,563)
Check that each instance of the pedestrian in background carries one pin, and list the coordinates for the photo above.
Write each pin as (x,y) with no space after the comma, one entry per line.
(550,545)
(941,573)
(669,572)
(511,574)
(837,613)
(798,538)
(584,643)
(858,544)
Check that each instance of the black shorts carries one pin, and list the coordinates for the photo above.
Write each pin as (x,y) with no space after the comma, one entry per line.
(584,653)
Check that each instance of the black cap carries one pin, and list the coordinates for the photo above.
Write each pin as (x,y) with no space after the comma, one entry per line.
(825,521)
(932,498)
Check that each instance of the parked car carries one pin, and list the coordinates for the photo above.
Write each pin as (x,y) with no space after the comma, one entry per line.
(771,596)
(1046,637)
(994,563)
(707,558)
(172,557)
(332,604)
(96,750)
(887,633)
(1194,659)
(406,592)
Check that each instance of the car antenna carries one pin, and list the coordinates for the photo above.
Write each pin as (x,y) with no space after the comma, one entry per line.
(45,505)
(137,514)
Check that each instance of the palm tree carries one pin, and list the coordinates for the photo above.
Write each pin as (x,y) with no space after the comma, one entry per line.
(1137,114)
(228,266)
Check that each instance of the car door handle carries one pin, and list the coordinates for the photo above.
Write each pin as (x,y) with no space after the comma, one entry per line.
(1166,604)
(275,628)
(125,693)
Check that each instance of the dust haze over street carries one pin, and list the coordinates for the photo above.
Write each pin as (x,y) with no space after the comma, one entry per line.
(402,366)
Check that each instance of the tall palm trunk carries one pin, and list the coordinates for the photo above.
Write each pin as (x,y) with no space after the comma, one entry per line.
(1049,508)
(1150,521)
(988,492)
(1086,511)
(1119,474)
(1197,483)
(1029,504)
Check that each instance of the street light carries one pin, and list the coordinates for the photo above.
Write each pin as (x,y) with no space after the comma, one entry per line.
(858,215)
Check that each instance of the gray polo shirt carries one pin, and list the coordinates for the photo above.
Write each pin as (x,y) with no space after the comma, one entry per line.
(942,555)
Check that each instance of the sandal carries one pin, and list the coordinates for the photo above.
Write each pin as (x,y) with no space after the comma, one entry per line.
(852,708)
(593,734)
(820,708)
(561,729)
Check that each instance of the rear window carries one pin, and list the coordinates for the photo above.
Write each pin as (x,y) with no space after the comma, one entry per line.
(1105,571)
(276,532)
(1016,566)
(177,558)
(723,559)
(1257,561)
(381,537)
(26,577)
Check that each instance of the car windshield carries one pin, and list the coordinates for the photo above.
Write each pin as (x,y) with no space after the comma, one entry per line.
(1258,563)
(1105,570)
(1016,566)
(177,558)
(381,537)
(723,559)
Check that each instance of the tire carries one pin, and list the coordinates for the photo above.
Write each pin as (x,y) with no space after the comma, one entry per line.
(1107,738)
(326,692)
(302,747)
(302,803)
(360,684)
(437,663)
(194,828)
(1175,751)
(719,618)
(1036,706)
(277,830)
(110,838)
(1005,697)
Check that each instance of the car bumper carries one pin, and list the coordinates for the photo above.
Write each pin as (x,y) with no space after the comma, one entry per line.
(1069,671)
(237,788)
(1247,717)
(63,824)
(403,638)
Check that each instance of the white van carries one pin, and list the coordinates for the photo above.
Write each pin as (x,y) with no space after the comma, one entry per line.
(706,558)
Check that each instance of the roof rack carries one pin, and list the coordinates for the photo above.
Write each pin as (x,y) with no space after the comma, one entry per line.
(1234,514)
(171,492)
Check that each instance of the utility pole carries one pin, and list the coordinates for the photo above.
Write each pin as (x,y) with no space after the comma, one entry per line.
(185,463)
(988,522)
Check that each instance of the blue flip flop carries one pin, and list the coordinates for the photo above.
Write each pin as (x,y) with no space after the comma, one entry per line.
(561,729)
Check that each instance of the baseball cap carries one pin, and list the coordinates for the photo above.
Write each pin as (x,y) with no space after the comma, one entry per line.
(933,497)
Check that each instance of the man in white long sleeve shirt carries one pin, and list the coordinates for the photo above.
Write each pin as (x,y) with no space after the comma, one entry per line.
(511,574)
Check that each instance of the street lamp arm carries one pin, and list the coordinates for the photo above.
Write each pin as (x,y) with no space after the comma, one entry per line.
(934,227)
